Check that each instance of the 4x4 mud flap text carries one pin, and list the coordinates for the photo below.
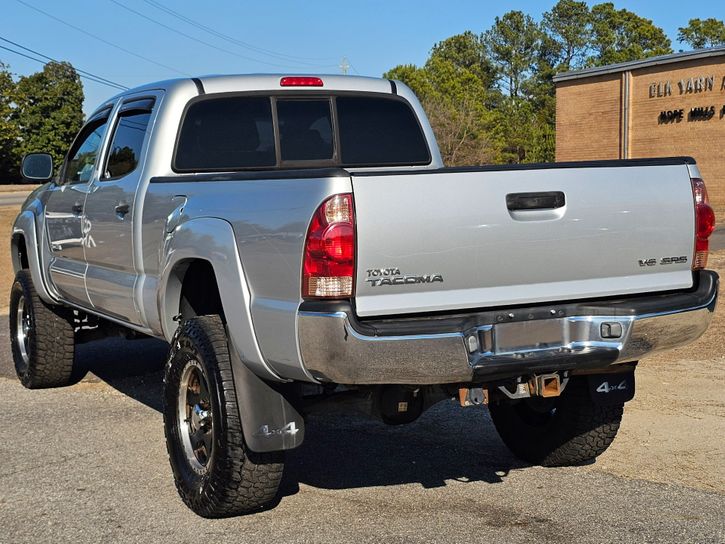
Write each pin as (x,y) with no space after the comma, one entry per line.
(609,389)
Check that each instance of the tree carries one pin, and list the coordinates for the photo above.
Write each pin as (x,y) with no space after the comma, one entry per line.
(701,33)
(522,132)
(567,27)
(468,52)
(49,110)
(565,37)
(9,130)
(512,42)
(621,36)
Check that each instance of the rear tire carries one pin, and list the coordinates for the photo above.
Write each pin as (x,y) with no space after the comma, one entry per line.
(567,430)
(215,473)
(42,337)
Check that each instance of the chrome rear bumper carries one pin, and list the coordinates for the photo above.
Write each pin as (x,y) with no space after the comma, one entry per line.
(336,347)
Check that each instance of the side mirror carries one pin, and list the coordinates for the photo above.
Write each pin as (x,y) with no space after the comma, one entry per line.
(37,167)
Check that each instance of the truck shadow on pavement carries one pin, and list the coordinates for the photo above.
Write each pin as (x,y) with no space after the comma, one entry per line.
(446,443)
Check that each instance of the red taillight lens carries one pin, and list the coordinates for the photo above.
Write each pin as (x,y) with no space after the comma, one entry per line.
(300,81)
(704,223)
(329,262)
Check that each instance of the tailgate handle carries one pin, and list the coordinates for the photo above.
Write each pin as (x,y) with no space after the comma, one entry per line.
(535,201)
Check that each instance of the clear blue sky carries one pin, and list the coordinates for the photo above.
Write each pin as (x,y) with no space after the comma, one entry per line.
(305,36)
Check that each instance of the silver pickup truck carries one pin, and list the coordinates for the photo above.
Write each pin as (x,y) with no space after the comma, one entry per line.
(299,244)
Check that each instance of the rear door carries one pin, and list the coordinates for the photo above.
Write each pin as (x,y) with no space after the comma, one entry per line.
(65,226)
(110,210)
(448,240)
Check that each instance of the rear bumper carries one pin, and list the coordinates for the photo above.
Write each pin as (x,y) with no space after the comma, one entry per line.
(337,347)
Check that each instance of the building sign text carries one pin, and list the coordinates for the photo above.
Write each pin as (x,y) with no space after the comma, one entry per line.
(702,113)
(699,84)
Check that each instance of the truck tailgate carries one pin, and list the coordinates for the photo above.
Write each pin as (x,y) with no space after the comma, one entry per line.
(447,240)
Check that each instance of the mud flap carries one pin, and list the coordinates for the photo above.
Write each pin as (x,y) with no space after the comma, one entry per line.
(269,421)
(610,389)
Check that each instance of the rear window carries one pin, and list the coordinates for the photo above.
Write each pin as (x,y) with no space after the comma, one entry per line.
(226,134)
(305,130)
(376,131)
(253,132)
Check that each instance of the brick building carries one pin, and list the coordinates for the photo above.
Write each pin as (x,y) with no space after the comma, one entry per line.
(661,106)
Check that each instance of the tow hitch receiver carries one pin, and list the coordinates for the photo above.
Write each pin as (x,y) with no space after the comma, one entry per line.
(546,385)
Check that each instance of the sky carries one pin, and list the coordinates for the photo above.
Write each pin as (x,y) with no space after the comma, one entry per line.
(122,40)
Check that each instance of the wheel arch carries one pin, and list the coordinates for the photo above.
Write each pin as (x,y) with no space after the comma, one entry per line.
(19,252)
(24,248)
(204,250)
(193,290)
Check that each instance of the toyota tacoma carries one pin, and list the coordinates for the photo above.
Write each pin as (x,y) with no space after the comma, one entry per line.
(300,245)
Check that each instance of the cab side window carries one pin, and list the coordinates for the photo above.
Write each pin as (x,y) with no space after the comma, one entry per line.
(128,137)
(84,152)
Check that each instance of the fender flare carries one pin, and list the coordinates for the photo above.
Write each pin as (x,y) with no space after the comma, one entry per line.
(269,422)
(26,226)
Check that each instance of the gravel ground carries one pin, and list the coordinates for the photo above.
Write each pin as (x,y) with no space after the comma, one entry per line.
(88,463)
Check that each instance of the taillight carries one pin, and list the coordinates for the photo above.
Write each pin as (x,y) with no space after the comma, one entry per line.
(329,262)
(704,223)
(300,81)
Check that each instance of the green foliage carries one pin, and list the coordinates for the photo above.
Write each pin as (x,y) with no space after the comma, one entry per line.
(9,129)
(466,51)
(512,44)
(568,33)
(49,110)
(701,33)
(621,36)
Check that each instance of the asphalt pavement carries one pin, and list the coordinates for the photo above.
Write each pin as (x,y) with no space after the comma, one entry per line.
(88,463)
(13,198)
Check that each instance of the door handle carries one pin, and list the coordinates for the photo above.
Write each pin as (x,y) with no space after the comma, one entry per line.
(77,208)
(122,210)
(535,201)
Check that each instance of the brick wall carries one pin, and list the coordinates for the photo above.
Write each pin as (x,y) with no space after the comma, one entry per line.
(588,118)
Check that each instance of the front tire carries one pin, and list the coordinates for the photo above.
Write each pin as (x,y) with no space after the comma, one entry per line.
(567,430)
(42,337)
(215,473)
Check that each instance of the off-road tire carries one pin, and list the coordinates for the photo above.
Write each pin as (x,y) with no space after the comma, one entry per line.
(236,480)
(568,430)
(46,359)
